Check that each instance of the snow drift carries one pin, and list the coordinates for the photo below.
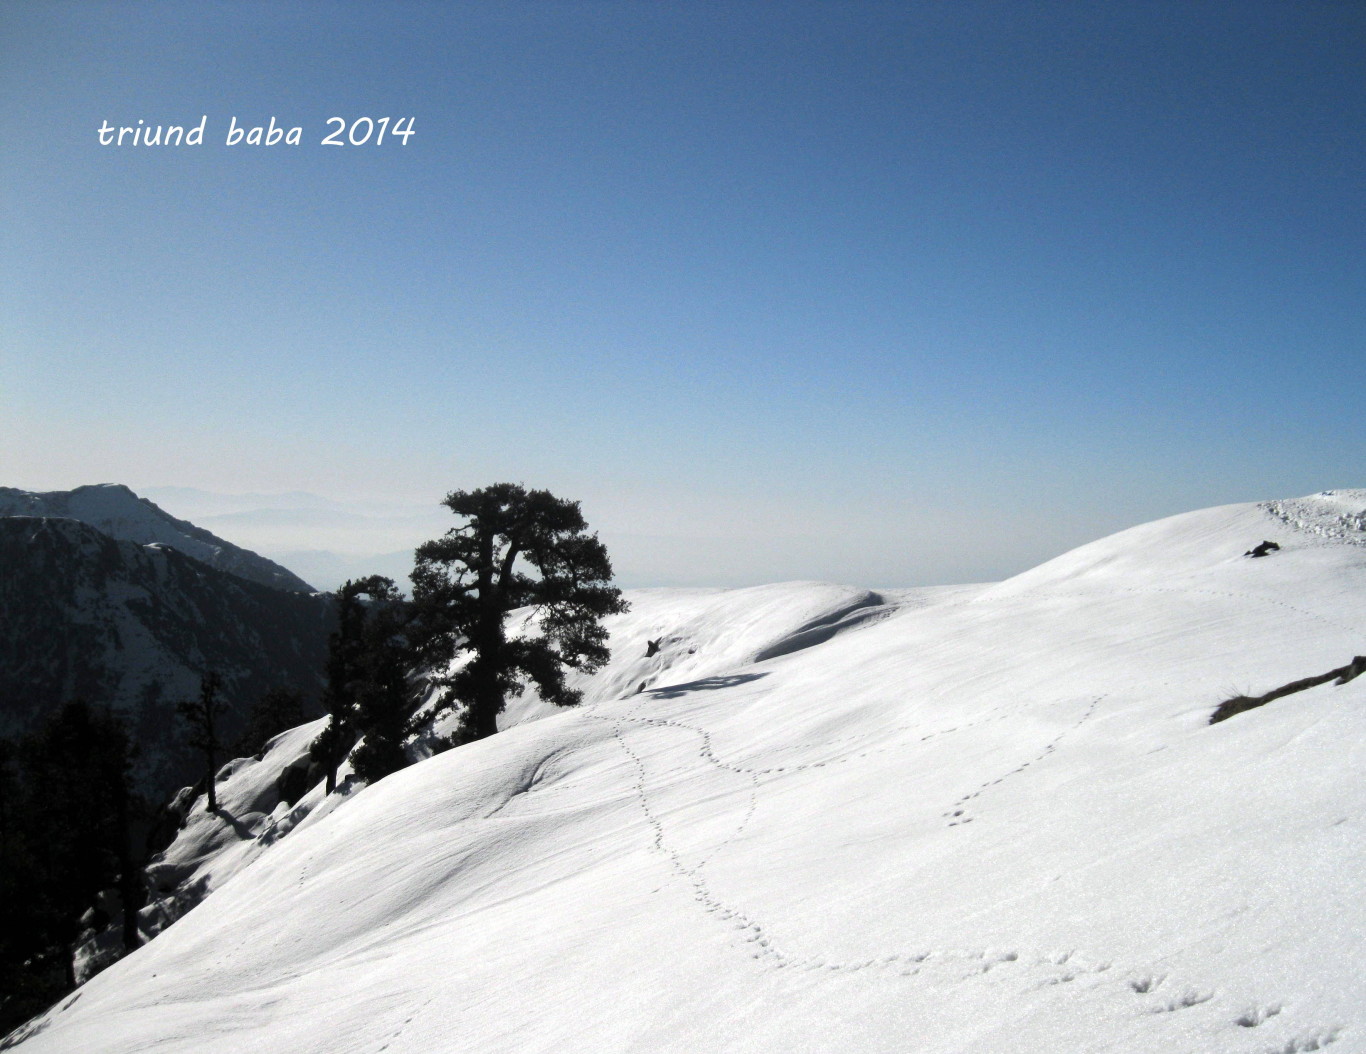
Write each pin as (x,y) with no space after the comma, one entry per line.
(983,819)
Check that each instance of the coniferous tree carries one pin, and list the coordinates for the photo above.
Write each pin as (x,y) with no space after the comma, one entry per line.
(331,746)
(11,810)
(78,805)
(127,806)
(342,649)
(203,716)
(23,989)
(367,691)
(381,700)
(467,582)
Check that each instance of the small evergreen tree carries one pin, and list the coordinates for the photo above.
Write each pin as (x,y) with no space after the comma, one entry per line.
(77,806)
(332,742)
(381,700)
(367,686)
(203,715)
(116,774)
(467,582)
(23,988)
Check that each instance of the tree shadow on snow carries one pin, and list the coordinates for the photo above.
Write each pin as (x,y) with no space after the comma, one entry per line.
(706,684)
(239,828)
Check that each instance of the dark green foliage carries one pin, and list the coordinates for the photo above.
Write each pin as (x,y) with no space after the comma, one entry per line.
(11,810)
(204,717)
(380,698)
(367,692)
(342,647)
(467,582)
(66,813)
(28,978)
(279,710)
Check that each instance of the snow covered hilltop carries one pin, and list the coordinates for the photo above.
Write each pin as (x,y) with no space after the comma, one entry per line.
(978,819)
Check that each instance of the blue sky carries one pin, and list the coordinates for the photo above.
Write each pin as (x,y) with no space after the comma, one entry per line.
(880,293)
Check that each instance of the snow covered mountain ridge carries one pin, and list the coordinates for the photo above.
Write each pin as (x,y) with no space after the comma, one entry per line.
(91,617)
(980,820)
(119,513)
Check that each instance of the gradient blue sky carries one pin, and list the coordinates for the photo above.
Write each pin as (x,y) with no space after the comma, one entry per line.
(880,293)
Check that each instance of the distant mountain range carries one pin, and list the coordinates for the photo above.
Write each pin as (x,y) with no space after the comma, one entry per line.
(106,598)
(119,513)
(326,541)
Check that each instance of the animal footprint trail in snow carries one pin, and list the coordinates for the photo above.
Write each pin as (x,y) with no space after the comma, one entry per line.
(877,743)
(1031,972)
(1257,1015)
(1187,999)
(1147,983)
(406,1022)
(751,932)
(958,813)
(1317,1039)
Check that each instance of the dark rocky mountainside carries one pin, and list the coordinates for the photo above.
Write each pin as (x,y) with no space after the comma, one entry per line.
(87,616)
(119,513)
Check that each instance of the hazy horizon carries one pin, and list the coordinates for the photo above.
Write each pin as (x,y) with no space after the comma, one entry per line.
(868,293)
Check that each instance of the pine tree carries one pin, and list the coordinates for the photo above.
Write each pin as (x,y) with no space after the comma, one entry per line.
(467,582)
(77,806)
(23,990)
(202,715)
(367,686)
(335,739)
(381,700)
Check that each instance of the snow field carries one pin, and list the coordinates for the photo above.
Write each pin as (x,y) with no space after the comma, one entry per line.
(990,819)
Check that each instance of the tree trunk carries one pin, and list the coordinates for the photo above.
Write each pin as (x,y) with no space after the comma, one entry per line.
(209,694)
(131,889)
(210,781)
(132,938)
(482,718)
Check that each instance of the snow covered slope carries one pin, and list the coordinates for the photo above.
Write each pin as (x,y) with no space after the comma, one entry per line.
(703,635)
(119,513)
(211,848)
(983,820)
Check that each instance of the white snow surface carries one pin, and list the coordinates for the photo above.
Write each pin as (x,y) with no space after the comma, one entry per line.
(985,819)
